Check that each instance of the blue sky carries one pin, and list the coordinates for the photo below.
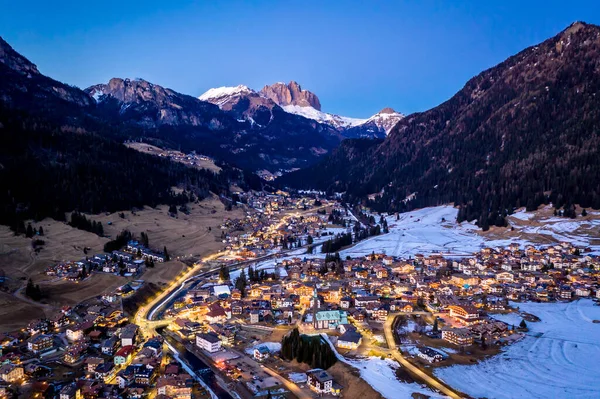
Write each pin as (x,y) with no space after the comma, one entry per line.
(358,57)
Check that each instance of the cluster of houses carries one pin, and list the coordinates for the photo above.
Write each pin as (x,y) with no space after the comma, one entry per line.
(128,262)
(352,294)
(348,298)
(261,232)
(98,339)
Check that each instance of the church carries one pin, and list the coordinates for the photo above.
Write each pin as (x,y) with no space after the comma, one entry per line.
(326,319)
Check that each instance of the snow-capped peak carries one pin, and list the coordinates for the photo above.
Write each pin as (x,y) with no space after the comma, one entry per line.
(323,117)
(385,119)
(221,95)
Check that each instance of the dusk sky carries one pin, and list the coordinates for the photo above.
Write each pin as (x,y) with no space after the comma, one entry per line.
(358,57)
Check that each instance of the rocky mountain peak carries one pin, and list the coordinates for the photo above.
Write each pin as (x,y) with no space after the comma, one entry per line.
(291,94)
(14,60)
(387,110)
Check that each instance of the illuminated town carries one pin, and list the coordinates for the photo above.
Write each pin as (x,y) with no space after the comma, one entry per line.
(229,325)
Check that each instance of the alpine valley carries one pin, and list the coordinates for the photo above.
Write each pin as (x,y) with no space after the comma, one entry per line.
(245,243)
(522,133)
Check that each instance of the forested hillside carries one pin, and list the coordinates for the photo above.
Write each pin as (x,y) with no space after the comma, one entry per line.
(58,155)
(522,133)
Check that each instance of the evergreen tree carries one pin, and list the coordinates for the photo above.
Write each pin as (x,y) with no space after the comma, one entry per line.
(166,253)
(29,232)
(523,325)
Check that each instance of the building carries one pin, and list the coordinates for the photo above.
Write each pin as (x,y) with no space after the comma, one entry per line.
(105,372)
(458,336)
(329,319)
(178,386)
(11,373)
(128,334)
(349,340)
(123,355)
(109,345)
(465,314)
(74,333)
(70,392)
(430,355)
(40,343)
(210,342)
(321,382)
(261,353)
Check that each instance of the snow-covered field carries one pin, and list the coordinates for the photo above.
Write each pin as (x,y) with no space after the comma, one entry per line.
(557,359)
(380,374)
(424,231)
(435,230)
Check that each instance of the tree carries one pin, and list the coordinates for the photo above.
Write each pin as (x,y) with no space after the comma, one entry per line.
(584,212)
(523,325)
(435,325)
(166,253)
(29,232)
(41,232)
(33,291)
(240,283)
(309,239)
(223,273)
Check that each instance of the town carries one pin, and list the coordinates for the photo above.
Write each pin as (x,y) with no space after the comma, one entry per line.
(273,311)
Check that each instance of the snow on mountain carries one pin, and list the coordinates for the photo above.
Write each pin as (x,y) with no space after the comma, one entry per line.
(221,95)
(385,119)
(323,117)
(294,100)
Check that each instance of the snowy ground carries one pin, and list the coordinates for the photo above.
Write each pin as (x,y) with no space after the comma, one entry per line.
(381,375)
(435,230)
(579,231)
(557,359)
(425,231)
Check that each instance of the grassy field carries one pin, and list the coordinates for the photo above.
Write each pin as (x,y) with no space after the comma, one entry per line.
(185,236)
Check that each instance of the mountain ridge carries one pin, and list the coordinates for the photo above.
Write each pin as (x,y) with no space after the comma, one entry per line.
(295,100)
(518,134)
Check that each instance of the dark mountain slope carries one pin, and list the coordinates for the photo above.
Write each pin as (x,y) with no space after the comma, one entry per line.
(246,132)
(522,133)
(58,154)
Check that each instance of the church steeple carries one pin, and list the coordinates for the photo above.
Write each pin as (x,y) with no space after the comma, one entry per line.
(315,309)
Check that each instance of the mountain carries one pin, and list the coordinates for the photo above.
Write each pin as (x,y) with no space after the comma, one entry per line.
(23,86)
(291,94)
(57,145)
(379,125)
(152,105)
(523,133)
(291,98)
(236,125)
(243,103)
